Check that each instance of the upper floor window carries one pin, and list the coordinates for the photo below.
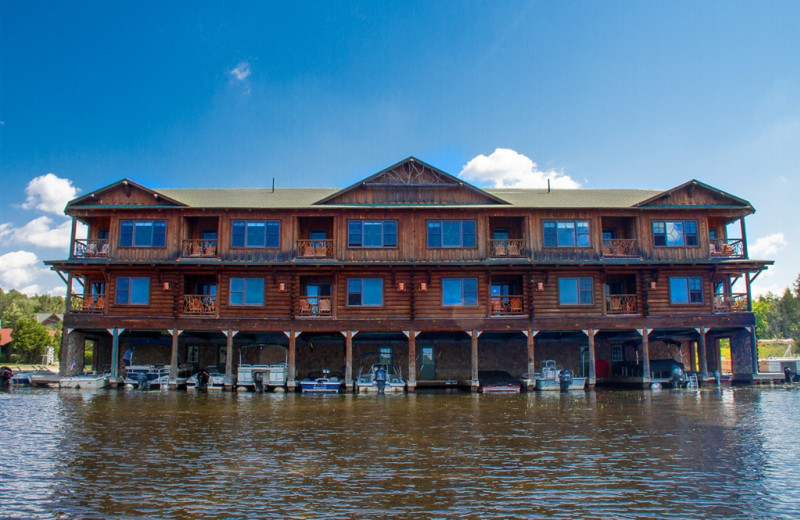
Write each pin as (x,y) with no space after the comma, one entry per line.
(566,233)
(451,233)
(459,291)
(365,292)
(686,289)
(255,233)
(575,291)
(247,291)
(133,291)
(143,233)
(372,233)
(674,233)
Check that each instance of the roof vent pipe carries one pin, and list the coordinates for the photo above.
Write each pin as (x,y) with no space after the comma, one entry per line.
(548,185)
(273,185)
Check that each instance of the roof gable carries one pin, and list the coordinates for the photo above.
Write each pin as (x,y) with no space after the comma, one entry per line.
(695,193)
(123,193)
(411,182)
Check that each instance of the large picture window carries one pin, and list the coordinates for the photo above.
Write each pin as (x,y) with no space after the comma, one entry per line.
(143,233)
(365,292)
(372,233)
(451,233)
(133,291)
(686,289)
(459,291)
(575,291)
(255,233)
(247,291)
(566,233)
(674,233)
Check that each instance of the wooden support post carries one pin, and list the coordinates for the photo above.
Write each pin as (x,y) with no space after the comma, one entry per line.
(646,356)
(692,357)
(291,377)
(701,347)
(474,382)
(173,362)
(348,360)
(530,335)
(229,382)
(411,383)
(590,334)
(115,379)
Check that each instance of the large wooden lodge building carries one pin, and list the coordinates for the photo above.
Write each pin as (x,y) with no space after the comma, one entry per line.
(447,277)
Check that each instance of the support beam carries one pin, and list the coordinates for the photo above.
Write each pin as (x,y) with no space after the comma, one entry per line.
(530,334)
(646,355)
(701,348)
(474,382)
(229,334)
(693,357)
(115,379)
(590,334)
(173,362)
(291,377)
(411,383)
(348,357)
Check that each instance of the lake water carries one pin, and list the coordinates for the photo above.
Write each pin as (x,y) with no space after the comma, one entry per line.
(713,453)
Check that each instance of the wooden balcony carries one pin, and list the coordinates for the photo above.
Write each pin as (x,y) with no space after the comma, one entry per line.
(726,248)
(314,306)
(734,302)
(199,248)
(87,303)
(507,248)
(510,305)
(90,248)
(317,248)
(199,305)
(621,248)
(619,304)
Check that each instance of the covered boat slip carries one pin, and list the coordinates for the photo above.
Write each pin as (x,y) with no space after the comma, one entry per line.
(423,359)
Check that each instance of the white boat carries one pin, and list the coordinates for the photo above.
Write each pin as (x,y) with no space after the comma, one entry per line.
(368,378)
(322,383)
(262,376)
(216,381)
(84,381)
(551,378)
(147,377)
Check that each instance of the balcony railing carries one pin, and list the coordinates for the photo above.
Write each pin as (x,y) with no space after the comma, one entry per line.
(88,303)
(90,248)
(507,305)
(507,248)
(317,248)
(617,304)
(199,305)
(315,306)
(734,302)
(726,248)
(621,247)
(199,248)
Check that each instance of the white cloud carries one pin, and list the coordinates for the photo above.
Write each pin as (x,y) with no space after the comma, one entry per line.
(21,269)
(40,232)
(506,168)
(49,193)
(241,71)
(767,247)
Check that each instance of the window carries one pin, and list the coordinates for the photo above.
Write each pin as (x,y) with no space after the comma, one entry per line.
(377,233)
(575,291)
(459,291)
(364,292)
(143,233)
(674,233)
(566,233)
(616,354)
(685,289)
(192,354)
(451,233)
(247,291)
(255,233)
(133,291)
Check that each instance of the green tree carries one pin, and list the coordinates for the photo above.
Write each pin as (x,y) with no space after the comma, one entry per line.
(29,340)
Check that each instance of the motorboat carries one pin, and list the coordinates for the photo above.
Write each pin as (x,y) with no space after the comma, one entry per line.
(498,382)
(323,382)
(259,377)
(369,377)
(554,378)
(84,381)
(206,379)
(147,377)
(21,379)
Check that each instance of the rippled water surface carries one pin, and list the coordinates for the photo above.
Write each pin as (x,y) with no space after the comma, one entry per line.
(731,453)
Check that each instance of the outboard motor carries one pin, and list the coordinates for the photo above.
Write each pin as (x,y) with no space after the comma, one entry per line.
(380,379)
(5,377)
(788,375)
(258,381)
(202,380)
(678,378)
(564,379)
(142,378)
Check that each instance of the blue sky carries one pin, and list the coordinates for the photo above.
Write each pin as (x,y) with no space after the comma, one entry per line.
(221,94)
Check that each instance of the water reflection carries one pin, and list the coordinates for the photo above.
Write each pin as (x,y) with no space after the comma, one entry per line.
(668,454)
